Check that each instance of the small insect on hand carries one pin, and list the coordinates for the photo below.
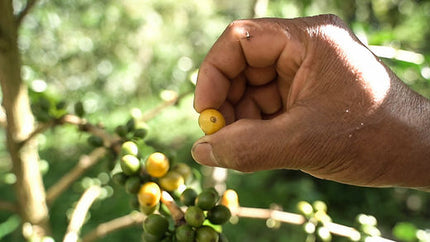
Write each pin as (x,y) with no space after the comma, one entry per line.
(211,120)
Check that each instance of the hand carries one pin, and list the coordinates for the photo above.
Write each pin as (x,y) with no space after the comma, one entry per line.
(306,94)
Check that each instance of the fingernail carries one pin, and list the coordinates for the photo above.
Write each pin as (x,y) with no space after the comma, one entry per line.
(203,154)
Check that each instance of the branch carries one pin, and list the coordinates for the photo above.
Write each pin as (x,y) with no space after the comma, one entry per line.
(397,54)
(8,206)
(175,211)
(103,229)
(42,127)
(162,106)
(297,219)
(85,163)
(30,4)
(80,212)
(277,215)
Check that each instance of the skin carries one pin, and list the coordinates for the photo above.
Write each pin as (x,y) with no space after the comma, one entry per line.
(306,94)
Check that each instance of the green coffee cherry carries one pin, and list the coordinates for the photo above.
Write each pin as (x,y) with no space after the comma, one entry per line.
(156,224)
(121,130)
(207,199)
(194,216)
(185,233)
(206,234)
(147,237)
(130,164)
(129,148)
(219,214)
(119,178)
(188,197)
(132,184)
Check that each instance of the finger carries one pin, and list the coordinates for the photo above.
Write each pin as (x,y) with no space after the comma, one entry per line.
(267,98)
(260,76)
(255,43)
(247,109)
(246,145)
(237,89)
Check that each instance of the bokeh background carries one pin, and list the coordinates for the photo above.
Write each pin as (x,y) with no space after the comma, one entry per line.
(128,55)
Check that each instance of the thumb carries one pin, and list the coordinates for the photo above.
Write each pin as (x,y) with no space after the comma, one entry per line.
(246,145)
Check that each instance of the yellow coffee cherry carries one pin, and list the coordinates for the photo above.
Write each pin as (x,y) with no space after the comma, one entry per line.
(230,199)
(171,181)
(211,120)
(157,164)
(149,194)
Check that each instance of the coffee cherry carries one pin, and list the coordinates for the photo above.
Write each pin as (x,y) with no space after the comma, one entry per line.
(206,234)
(129,148)
(230,199)
(132,184)
(157,164)
(185,233)
(148,210)
(121,130)
(130,164)
(219,214)
(156,224)
(149,194)
(188,197)
(171,181)
(194,216)
(211,120)
(119,178)
(207,199)
(183,169)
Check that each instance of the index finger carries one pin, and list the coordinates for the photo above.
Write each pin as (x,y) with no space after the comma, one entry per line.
(254,43)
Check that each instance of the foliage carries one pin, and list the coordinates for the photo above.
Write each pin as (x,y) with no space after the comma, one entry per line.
(117,56)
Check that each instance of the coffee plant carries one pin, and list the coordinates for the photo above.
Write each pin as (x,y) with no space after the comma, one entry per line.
(169,198)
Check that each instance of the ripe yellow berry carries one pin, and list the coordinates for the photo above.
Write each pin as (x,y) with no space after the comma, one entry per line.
(149,194)
(230,199)
(157,164)
(171,181)
(211,120)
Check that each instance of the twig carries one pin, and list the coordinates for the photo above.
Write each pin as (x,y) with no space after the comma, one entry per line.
(103,229)
(161,107)
(397,54)
(8,206)
(277,215)
(297,219)
(108,139)
(80,212)
(85,163)
(30,4)
(175,211)
(42,127)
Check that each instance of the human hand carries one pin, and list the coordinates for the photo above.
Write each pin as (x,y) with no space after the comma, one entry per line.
(306,94)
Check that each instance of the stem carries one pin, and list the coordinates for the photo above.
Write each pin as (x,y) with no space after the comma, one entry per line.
(103,229)
(262,213)
(85,163)
(29,188)
(162,106)
(297,219)
(80,213)
(175,210)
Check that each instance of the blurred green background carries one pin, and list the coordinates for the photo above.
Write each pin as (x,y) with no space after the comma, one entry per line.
(116,56)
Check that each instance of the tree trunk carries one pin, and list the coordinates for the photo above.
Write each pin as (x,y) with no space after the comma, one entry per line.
(29,188)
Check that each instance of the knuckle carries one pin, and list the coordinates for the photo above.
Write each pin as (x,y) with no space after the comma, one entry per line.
(238,28)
